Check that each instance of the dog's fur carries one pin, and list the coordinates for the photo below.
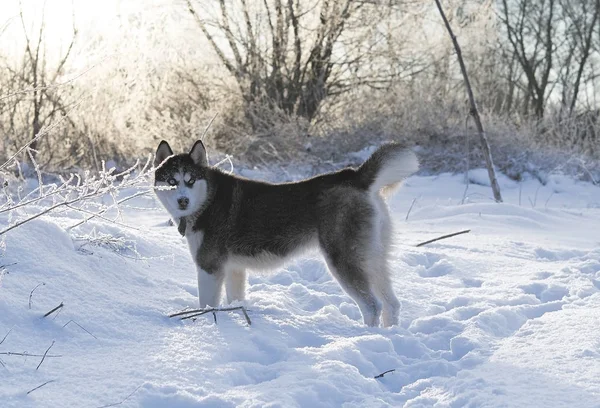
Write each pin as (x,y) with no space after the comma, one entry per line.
(233,224)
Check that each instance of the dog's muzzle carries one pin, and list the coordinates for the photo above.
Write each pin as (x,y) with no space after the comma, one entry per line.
(183,202)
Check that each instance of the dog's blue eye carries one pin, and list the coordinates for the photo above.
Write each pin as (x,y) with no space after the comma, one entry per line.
(191,181)
(172,181)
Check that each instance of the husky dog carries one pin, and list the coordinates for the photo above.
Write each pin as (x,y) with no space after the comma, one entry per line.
(234,224)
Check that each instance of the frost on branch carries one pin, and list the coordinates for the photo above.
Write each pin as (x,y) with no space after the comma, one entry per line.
(84,193)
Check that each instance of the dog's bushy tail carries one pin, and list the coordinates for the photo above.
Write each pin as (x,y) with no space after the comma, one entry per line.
(387,167)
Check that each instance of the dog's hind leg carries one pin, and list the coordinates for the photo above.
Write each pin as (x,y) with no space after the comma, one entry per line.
(344,236)
(382,286)
(378,263)
(353,280)
(235,284)
(210,286)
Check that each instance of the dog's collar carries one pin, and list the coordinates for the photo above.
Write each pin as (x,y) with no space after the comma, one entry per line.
(182,225)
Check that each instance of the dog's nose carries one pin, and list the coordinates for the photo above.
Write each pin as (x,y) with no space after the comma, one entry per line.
(183,202)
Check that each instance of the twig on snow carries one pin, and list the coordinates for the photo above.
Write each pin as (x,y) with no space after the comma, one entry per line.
(44,357)
(410,208)
(58,313)
(6,335)
(54,310)
(7,265)
(83,328)
(189,314)
(39,386)
(548,200)
(246,316)
(12,353)
(443,237)
(384,373)
(122,401)
(33,290)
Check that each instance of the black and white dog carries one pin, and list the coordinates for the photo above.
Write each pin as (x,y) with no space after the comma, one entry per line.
(233,224)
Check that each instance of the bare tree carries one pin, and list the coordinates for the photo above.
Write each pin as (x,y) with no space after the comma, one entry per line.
(36,96)
(581,18)
(552,41)
(291,54)
(531,29)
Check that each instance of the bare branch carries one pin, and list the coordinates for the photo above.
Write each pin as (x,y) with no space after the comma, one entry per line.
(83,328)
(384,373)
(230,67)
(474,112)
(443,237)
(42,132)
(33,290)
(11,353)
(64,59)
(123,400)
(189,314)
(39,386)
(44,356)
(54,310)
(229,34)
(410,208)
(6,335)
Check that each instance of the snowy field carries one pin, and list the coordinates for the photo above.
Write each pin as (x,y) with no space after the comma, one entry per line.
(505,316)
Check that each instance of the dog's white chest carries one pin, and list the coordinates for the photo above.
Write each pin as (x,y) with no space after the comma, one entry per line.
(194,240)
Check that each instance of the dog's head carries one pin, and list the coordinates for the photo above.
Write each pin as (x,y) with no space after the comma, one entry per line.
(180,180)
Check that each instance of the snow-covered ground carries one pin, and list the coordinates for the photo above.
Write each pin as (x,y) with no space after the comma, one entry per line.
(507,315)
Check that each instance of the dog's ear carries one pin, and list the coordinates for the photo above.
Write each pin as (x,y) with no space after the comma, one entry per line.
(198,154)
(162,152)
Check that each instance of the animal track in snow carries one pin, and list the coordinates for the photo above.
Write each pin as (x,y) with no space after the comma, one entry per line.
(543,275)
(425,259)
(472,282)
(544,254)
(545,293)
(429,265)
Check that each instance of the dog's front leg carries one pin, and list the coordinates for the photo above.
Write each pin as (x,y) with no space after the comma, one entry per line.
(235,285)
(209,287)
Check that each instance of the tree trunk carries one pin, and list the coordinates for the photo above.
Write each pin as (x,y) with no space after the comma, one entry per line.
(474,112)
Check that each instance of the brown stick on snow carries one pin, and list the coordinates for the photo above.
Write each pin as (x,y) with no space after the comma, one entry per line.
(384,373)
(54,310)
(474,112)
(443,237)
(246,316)
(39,386)
(410,208)
(6,335)
(189,314)
(33,290)
(44,357)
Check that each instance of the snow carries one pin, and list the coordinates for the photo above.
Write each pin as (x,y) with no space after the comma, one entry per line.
(507,315)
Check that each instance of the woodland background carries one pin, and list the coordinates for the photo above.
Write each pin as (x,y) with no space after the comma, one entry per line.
(299,81)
